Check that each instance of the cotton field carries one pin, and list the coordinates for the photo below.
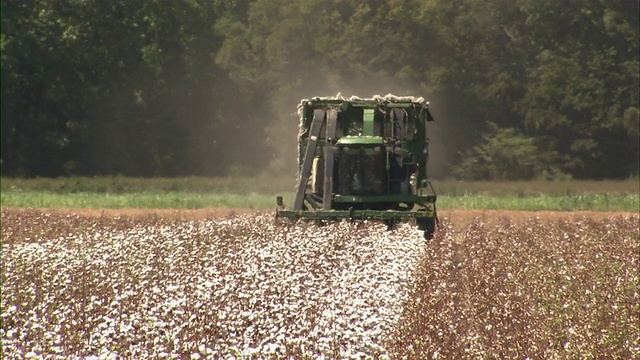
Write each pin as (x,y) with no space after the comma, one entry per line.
(244,287)
(222,288)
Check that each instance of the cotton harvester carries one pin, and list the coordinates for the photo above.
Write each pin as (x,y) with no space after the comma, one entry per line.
(364,159)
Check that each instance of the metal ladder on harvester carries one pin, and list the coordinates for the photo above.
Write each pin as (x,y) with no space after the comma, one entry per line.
(320,116)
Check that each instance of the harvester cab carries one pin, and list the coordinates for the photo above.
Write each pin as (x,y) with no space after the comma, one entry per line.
(364,159)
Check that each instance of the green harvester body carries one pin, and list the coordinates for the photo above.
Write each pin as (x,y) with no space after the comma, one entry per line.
(364,159)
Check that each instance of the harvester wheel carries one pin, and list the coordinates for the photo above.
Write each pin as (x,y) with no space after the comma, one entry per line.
(428,235)
(428,226)
(391,224)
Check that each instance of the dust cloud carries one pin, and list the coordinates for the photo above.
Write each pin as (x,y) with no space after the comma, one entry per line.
(237,136)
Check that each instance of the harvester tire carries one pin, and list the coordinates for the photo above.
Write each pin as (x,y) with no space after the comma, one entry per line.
(428,226)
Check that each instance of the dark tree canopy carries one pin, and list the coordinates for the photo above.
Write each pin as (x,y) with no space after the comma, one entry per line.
(520,89)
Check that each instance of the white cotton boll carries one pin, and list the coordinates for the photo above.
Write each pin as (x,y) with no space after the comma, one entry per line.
(204,350)
(32,355)
(107,355)
(257,287)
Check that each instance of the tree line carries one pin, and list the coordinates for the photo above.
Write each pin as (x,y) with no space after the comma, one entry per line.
(521,89)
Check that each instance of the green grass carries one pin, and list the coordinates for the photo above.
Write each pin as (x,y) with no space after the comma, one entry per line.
(126,185)
(538,188)
(583,202)
(148,200)
(120,184)
(259,193)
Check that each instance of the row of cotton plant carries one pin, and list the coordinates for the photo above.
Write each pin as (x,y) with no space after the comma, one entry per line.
(242,287)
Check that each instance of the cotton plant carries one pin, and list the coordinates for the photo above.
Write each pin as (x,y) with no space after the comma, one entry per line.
(242,287)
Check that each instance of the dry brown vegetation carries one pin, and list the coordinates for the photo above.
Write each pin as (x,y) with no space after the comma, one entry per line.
(222,285)
(552,289)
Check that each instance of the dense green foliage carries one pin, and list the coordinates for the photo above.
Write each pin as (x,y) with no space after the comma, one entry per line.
(522,89)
